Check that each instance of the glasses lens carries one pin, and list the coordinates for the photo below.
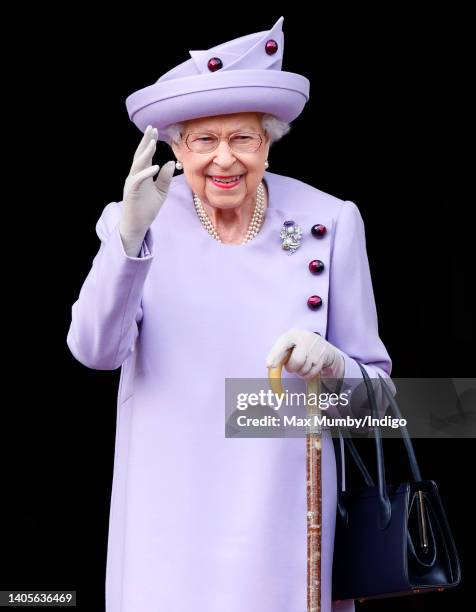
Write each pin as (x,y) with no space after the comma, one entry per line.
(241,142)
(245,142)
(202,143)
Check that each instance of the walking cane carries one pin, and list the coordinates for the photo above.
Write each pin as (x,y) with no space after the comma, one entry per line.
(313,486)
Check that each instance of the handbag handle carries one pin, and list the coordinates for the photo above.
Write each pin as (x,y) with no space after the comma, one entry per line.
(369,481)
(385,513)
(385,506)
(406,438)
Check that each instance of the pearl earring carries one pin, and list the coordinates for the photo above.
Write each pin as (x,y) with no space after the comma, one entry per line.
(266,164)
(179,165)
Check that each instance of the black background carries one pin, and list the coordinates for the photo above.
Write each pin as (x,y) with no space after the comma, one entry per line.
(387,126)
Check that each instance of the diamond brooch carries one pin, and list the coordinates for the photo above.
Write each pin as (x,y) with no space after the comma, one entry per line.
(290,235)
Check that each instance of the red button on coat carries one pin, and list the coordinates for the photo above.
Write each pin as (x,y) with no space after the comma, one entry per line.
(318,230)
(316,266)
(314,302)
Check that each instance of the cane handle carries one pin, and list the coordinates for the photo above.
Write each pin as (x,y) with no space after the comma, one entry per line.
(274,377)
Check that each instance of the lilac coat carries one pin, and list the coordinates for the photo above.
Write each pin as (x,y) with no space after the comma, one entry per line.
(199,521)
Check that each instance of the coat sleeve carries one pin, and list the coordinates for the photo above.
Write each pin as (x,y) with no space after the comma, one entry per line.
(352,315)
(105,317)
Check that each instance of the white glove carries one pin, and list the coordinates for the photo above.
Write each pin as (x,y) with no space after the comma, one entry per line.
(143,197)
(311,354)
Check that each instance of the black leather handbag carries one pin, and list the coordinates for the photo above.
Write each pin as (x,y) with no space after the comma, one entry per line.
(390,540)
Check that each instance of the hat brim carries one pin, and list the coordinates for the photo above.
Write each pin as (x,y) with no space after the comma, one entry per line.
(283,94)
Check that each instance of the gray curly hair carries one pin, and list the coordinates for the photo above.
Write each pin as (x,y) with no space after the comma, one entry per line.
(274,128)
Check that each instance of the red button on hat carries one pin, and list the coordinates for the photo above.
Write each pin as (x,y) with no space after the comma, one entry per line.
(314,302)
(214,64)
(271,47)
(316,266)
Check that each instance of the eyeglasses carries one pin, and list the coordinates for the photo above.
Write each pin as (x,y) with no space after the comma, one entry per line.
(239,142)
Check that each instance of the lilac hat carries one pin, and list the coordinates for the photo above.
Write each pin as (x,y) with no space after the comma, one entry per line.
(241,75)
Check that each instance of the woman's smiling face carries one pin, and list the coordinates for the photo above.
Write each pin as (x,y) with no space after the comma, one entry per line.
(199,168)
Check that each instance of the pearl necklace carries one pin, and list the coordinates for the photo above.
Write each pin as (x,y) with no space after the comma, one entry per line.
(255,223)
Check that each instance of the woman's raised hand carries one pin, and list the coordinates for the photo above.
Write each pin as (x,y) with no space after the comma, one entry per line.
(143,197)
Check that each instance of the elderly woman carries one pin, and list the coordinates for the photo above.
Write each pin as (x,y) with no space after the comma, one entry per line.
(212,274)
